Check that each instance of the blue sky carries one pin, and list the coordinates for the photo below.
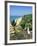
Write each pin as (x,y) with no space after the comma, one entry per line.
(20,10)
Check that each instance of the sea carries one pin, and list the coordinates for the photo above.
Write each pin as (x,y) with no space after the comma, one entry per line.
(14,17)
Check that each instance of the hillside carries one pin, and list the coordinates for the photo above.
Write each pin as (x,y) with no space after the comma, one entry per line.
(26,21)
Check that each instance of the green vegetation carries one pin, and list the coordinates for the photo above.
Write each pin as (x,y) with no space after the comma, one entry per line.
(26,21)
(13,23)
(20,31)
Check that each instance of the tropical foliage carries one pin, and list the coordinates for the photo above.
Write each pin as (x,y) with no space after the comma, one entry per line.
(20,31)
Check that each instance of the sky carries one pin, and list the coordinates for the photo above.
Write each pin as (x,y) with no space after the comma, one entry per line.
(20,10)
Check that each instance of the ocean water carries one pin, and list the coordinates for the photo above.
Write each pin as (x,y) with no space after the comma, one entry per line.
(14,17)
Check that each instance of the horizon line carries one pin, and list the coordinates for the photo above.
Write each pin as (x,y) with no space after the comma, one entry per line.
(20,15)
